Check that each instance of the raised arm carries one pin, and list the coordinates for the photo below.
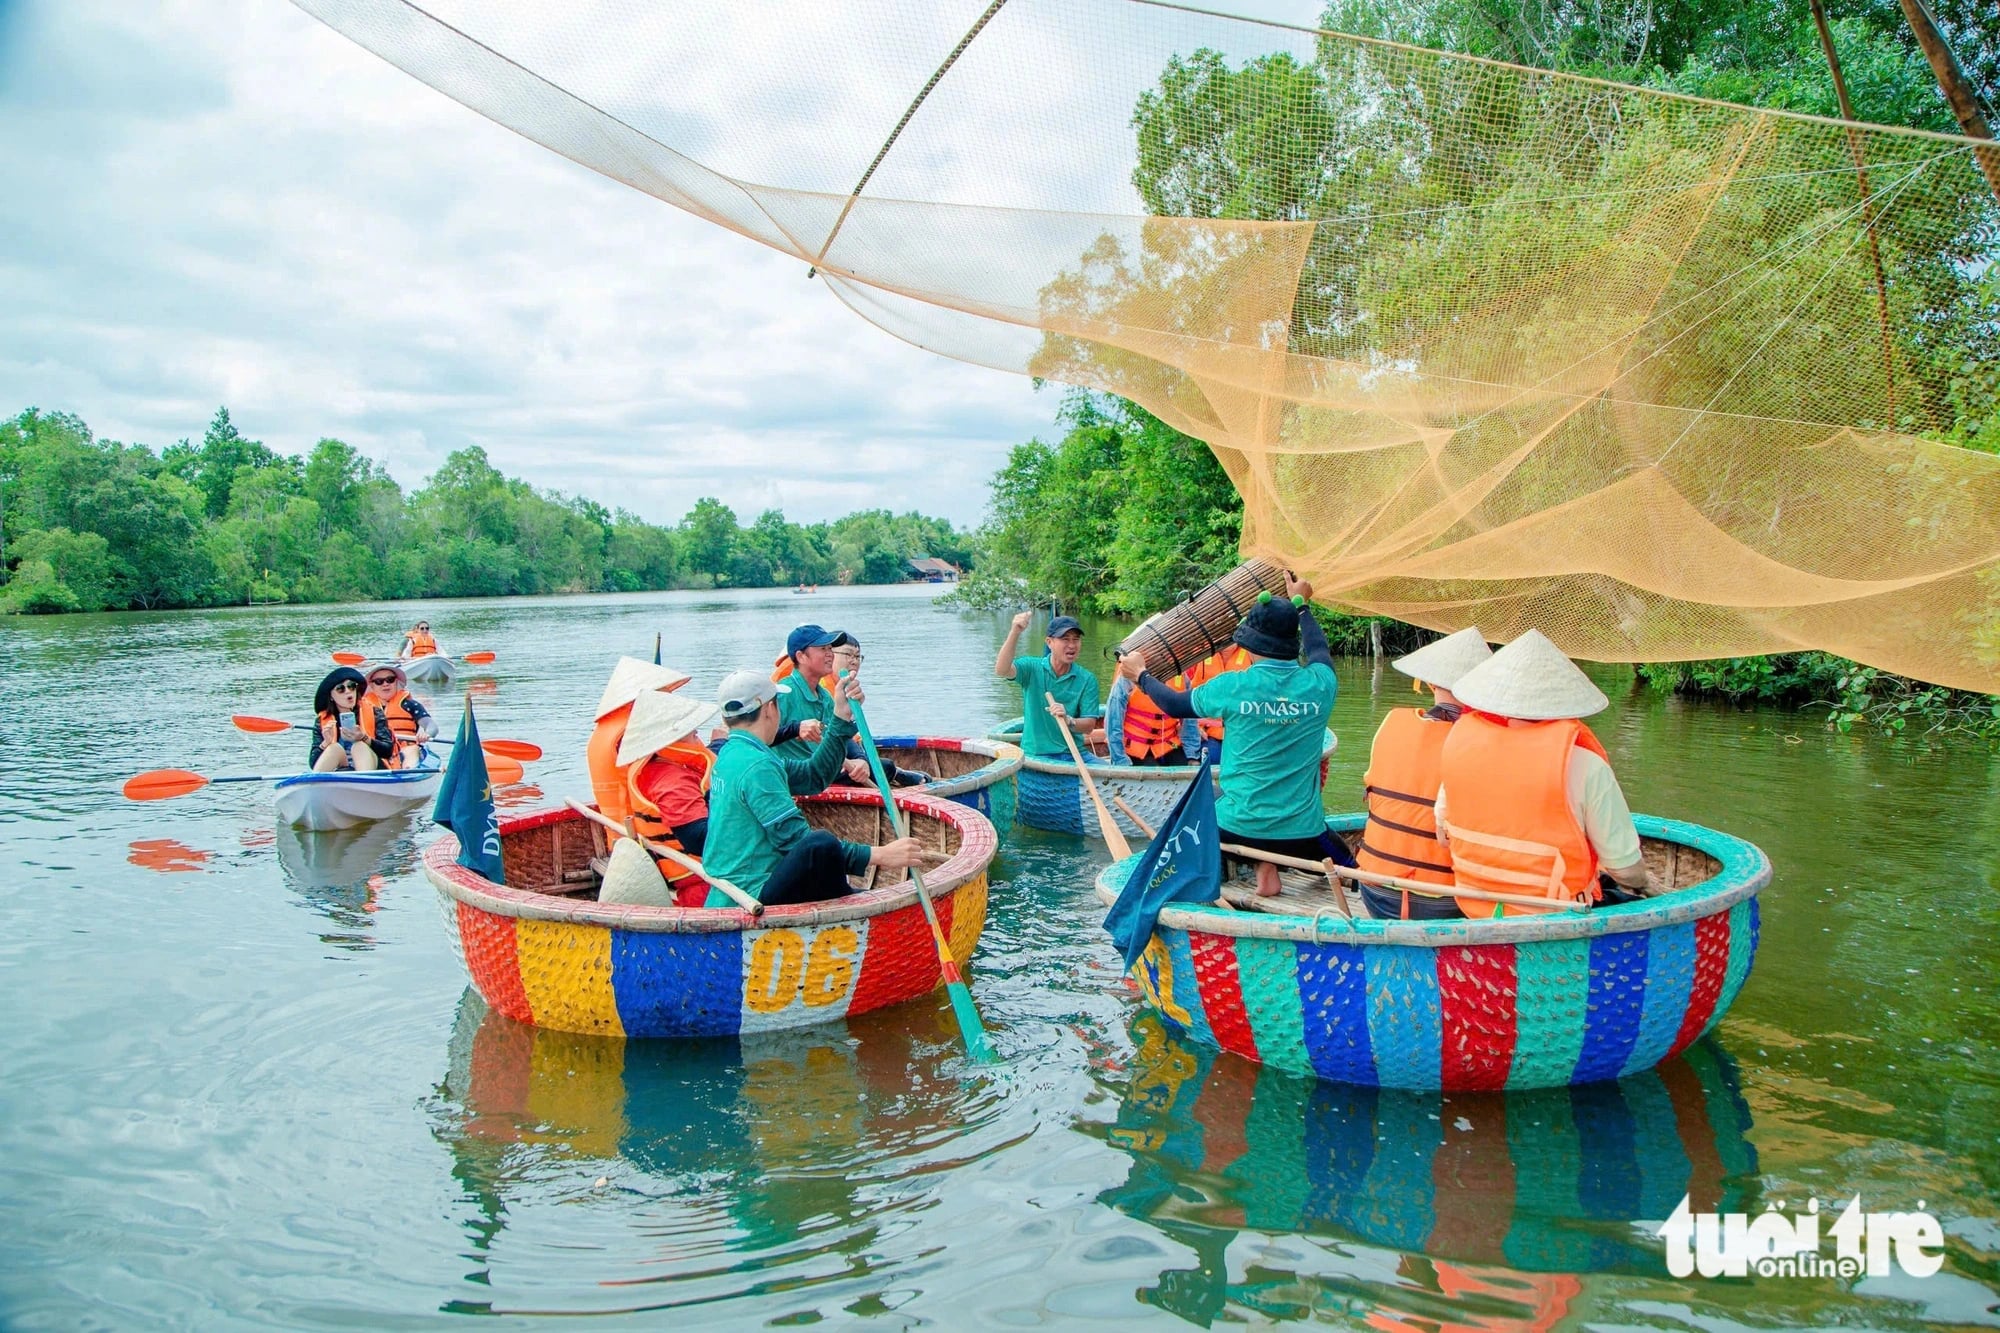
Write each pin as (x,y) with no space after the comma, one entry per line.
(1311,637)
(1003,665)
(1172,702)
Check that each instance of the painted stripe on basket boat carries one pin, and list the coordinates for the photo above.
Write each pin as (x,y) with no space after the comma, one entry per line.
(1669,981)
(1744,922)
(1222,991)
(1611,1016)
(677,985)
(1270,975)
(488,942)
(1552,988)
(1711,966)
(967,910)
(566,971)
(1404,1021)
(1187,988)
(1476,995)
(1338,1041)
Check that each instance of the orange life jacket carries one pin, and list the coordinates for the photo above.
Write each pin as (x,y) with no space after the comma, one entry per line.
(607,780)
(689,753)
(1149,733)
(364,715)
(404,725)
(421,643)
(1511,826)
(1404,770)
(1233,658)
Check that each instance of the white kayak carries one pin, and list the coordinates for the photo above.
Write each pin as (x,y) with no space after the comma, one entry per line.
(430,668)
(318,802)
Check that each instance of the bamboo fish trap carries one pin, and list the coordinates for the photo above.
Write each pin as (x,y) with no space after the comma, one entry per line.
(1185,633)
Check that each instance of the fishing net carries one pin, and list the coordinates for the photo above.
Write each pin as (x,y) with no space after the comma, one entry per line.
(1477,343)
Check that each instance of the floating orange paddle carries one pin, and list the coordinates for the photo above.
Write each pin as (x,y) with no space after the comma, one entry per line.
(356,659)
(269,726)
(164,783)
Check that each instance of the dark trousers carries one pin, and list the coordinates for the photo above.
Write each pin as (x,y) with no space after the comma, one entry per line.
(1306,849)
(1387,905)
(1174,758)
(811,872)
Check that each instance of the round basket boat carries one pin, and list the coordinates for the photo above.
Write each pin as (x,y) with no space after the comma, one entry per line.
(979,774)
(540,949)
(1052,797)
(1524,1002)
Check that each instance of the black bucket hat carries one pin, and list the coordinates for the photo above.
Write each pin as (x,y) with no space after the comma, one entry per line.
(1271,629)
(323,697)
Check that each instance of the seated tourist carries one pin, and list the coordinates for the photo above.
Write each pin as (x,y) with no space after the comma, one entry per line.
(348,733)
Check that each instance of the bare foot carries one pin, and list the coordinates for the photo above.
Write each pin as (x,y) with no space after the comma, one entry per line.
(1267,880)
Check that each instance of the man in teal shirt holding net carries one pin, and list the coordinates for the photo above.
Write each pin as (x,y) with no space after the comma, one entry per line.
(1075,689)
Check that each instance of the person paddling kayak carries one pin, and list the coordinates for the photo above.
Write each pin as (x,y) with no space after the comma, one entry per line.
(1276,712)
(418,642)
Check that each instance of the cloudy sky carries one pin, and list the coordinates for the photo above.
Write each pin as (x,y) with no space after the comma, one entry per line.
(226,202)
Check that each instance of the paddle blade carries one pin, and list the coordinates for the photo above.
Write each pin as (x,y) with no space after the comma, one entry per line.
(969,1026)
(349,659)
(479,659)
(501,770)
(512,749)
(267,726)
(162,783)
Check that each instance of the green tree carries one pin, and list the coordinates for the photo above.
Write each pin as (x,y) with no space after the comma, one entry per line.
(78,565)
(709,537)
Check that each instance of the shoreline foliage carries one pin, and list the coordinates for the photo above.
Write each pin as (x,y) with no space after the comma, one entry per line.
(94,525)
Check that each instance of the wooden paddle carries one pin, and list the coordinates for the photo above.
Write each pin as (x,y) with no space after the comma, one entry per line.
(1132,815)
(160,784)
(1391,882)
(1114,837)
(970,1029)
(356,659)
(682,859)
(265,726)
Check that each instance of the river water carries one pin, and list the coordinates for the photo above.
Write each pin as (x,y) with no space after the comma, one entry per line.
(243,1081)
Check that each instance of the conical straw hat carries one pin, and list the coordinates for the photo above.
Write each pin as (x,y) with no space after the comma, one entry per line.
(658,720)
(633,879)
(633,677)
(1531,680)
(1444,662)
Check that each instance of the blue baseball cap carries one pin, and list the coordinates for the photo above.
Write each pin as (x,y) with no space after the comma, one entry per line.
(812,636)
(1062,625)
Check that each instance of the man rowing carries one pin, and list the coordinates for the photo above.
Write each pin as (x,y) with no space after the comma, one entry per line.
(756,836)
(1054,672)
(806,706)
(1528,803)
(1276,711)
(1404,769)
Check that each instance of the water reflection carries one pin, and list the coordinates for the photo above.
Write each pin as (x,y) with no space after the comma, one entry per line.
(1490,1203)
(786,1148)
(167,855)
(342,872)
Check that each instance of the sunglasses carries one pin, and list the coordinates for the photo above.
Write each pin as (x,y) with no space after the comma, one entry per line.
(381,680)
(344,686)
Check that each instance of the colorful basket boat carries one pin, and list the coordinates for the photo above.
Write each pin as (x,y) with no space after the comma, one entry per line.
(979,774)
(1546,1181)
(1525,1002)
(541,951)
(1052,797)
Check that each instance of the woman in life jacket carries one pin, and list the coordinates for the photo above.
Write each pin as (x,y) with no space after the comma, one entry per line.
(418,642)
(667,771)
(410,722)
(630,679)
(350,732)
(1404,770)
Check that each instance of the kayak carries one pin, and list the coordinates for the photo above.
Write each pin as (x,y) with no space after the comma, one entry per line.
(1523,1002)
(979,774)
(318,802)
(1052,797)
(432,668)
(542,950)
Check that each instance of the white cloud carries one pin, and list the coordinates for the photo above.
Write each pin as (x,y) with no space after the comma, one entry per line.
(224,201)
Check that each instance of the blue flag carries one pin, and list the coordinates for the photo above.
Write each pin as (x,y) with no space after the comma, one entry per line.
(465,803)
(1183,863)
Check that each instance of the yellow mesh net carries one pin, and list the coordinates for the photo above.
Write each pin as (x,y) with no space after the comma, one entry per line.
(1477,343)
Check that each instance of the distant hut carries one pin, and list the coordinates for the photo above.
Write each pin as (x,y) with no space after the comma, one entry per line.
(932,570)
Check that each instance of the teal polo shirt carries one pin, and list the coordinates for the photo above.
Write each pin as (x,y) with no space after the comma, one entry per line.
(1075,690)
(1274,717)
(803,701)
(753,820)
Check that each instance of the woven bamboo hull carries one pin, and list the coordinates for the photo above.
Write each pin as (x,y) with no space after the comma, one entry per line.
(430,669)
(1052,797)
(576,965)
(322,802)
(1526,1002)
(980,775)
(1538,1182)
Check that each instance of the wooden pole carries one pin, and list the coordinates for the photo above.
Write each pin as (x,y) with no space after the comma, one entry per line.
(1405,885)
(1114,837)
(1957,90)
(1867,204)
(729,891)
